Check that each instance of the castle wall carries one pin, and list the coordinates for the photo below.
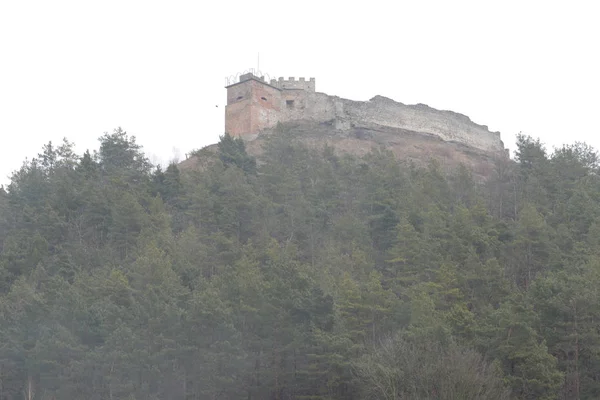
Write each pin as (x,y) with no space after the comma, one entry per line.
(447,125)
(238,93)
(380,113)
(316,107)
(267,112)
(238,118)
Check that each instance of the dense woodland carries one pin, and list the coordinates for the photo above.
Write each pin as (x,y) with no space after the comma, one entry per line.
(300,275)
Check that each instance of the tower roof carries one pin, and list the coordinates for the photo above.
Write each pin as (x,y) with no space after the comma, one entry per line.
(250,76)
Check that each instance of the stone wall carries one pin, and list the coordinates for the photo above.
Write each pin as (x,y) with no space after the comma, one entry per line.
(292,84)
(316,107)
(381,112)
(447,125)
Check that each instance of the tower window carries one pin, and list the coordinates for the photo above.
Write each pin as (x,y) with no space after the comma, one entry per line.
(289,103)
(240,97)
(263,98)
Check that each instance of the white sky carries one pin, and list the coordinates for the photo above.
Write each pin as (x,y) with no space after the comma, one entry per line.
(77,69)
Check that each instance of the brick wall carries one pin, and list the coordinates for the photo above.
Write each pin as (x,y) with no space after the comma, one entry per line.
(251,107)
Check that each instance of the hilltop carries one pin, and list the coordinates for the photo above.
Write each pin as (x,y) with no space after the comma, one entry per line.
(414,133)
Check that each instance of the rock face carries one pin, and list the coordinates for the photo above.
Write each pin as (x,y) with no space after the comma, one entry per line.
(255,106)
(407,146)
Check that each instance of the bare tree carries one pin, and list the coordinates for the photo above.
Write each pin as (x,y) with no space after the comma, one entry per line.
(424,369)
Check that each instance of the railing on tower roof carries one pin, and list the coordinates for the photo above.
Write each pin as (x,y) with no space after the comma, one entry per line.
(281,83)
(233,79)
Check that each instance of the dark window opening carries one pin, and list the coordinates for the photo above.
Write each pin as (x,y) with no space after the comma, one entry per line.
(289,103)
(240,97)
(263,98)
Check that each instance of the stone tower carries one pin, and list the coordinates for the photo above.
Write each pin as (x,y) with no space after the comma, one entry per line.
(254,105)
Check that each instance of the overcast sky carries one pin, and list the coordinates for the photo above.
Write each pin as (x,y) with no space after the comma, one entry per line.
(77,69)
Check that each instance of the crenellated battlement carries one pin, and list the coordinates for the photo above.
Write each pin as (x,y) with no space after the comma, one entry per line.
(292,84)
(284,84)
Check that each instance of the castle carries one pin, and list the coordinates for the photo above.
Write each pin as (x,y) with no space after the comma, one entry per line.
(255,105)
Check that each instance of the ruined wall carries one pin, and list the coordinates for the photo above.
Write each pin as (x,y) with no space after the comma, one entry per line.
(381,113)
(447,125)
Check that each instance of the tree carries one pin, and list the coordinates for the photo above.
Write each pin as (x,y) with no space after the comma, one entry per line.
(567,302)
(412,259)
(532,249)
(232,152)
(507,334)
(121,156)
(421,369)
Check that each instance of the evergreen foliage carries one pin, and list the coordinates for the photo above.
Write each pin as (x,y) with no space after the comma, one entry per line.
(302,275)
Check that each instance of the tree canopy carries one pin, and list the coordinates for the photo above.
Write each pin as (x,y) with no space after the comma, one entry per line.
(305,274)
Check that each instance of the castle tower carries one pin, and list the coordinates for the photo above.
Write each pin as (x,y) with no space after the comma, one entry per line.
(254,105)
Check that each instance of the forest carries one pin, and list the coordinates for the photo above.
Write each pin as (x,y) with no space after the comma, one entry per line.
(299,274)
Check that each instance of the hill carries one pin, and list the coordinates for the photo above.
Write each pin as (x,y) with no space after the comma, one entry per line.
(303,274)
